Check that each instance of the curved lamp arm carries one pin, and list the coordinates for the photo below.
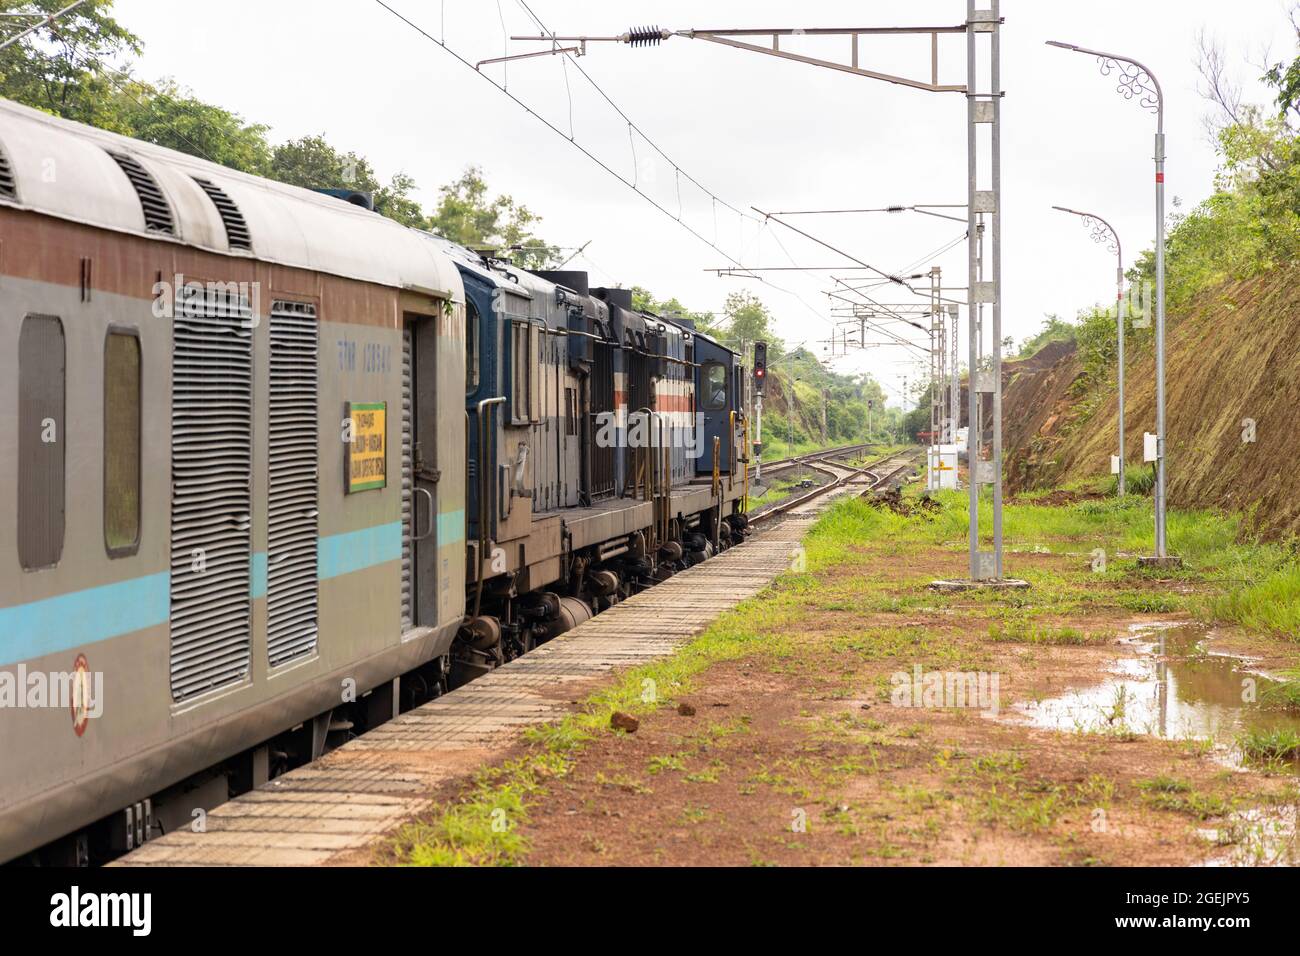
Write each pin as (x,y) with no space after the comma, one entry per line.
(1133,79)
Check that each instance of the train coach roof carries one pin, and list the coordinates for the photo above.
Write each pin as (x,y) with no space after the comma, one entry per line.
(76,172)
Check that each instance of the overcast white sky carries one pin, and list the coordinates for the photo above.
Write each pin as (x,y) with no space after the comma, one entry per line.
(755,130)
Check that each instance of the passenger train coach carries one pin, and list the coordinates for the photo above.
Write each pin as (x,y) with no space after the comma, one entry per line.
(278,467)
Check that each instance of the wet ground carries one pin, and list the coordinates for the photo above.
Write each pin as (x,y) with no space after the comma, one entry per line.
(1177,685)
(1119,733)
(1181,686)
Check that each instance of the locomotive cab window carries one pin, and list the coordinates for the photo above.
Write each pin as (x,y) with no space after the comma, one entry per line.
(714,378)
(42,437)
(121,442)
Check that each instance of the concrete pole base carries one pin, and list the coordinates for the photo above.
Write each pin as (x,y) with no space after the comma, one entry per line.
(1168,563)
(965,584)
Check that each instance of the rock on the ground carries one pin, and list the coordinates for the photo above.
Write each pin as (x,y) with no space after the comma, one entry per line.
(625,722)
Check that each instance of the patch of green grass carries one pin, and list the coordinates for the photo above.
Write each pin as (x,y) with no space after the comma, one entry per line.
(1178,796)
(1138,480)
(1150,602)
(666,762)
(1202,806)
(482,829)
(1020,811)
(1242,579)
(1164,784)
(1028,632)
(1270,746)
(695,814)
(1097,790)
(998,764)
(1283,693)
(780,489)
(1271,603)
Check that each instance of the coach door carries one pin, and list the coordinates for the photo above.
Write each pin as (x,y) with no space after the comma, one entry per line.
(419,472)
(714,402)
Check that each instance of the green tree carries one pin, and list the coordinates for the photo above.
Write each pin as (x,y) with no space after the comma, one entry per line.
(311,162)
(1055,329)
(748,320)
(1251,223)
(644,301)
(68,71)
(175,118)
(467,215)
(1285,77)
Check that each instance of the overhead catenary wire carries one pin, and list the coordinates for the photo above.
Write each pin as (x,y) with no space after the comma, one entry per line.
(551,126)
(596,86)
(45,20)
(604,165)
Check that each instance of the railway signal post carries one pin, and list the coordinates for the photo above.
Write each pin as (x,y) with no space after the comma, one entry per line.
(760,379)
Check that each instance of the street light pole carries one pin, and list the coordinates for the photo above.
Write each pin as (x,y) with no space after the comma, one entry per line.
(1135,81)
(1102,231)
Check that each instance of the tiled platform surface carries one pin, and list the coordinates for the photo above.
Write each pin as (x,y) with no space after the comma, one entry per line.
(351,797)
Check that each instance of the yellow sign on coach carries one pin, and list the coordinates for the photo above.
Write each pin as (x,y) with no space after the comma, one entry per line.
(367,452)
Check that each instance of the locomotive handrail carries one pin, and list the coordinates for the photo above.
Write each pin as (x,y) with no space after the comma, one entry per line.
(731,442)
(744,503)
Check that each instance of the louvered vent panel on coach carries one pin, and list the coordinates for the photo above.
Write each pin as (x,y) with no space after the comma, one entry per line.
(236,228)
(211,540)
(293,534)
(157,214)
(8,184)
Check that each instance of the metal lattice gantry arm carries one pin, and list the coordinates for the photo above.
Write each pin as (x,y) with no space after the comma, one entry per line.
(925,209)
(740,39)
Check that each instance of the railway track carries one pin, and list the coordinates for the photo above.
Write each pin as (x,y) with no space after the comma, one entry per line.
(336,809)
(874,476)
(785,464)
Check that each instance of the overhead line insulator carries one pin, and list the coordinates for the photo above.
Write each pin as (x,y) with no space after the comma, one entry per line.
(645,36)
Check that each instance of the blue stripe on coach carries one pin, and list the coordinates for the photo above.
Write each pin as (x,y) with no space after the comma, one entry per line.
(83,617)
(73,620)
(353,550)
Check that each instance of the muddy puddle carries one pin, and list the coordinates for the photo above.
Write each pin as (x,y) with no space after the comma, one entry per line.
(1174,685)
